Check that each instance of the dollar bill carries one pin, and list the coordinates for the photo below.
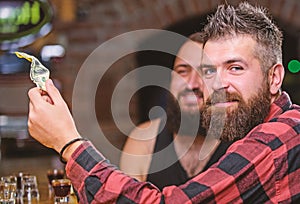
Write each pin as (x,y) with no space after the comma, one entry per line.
(38,72)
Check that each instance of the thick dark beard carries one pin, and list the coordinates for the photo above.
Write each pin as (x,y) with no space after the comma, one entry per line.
(191,121)
(239,121)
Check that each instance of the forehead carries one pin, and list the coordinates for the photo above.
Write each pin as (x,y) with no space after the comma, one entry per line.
(226,48)
(189,52)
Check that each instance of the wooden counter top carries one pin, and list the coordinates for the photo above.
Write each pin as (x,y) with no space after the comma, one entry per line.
(35,165)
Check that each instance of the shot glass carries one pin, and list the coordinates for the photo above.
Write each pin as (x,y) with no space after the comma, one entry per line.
(54,174)
(30,190)
(61,189)
(8,189)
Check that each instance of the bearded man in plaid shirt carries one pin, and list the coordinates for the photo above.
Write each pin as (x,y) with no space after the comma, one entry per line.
(243,72)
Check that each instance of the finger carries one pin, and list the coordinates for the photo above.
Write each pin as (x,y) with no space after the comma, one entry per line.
(34,95)
(35,106)
(53,92)
(30,112)
(30,116)
(46,97)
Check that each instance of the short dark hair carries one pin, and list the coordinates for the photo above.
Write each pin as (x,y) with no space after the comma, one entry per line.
(246,19)
(197,37)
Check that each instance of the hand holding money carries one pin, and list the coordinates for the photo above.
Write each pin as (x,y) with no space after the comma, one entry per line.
(38,72)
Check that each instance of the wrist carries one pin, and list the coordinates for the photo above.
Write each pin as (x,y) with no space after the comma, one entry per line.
(67,150)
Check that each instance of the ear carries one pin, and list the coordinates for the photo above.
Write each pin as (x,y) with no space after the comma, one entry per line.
(276,75)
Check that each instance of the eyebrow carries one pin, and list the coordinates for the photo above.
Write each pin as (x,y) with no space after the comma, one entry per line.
(206,66)
(235,60)
(182,65)
(224,63)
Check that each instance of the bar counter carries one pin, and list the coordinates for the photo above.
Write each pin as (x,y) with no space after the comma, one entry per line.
(35,165)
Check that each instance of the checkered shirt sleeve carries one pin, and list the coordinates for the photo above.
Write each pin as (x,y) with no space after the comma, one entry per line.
(263,167)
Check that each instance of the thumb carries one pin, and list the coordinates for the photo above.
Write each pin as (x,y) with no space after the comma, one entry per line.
(53,92)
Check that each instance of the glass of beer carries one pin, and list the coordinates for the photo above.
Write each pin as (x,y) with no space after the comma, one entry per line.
(61,189)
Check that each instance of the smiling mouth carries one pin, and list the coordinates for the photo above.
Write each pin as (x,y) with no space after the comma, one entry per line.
(190,98)
(225,104)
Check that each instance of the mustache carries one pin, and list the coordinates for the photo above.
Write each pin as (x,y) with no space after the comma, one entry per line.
(222,97)
(196,92)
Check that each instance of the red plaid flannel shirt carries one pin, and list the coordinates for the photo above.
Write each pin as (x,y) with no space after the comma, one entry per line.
(263,167)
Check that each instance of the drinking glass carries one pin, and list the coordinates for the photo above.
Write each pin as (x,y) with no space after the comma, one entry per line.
(8,189)
(61,188)
(54,174)
(19,196)
(30,190)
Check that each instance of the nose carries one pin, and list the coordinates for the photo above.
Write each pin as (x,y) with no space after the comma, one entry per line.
(194,80)
(221,81)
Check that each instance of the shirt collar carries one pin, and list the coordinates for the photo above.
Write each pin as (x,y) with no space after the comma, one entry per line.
(279,106)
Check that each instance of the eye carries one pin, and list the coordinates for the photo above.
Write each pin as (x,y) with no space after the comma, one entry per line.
(236,69)
(182,70)
(208,71)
